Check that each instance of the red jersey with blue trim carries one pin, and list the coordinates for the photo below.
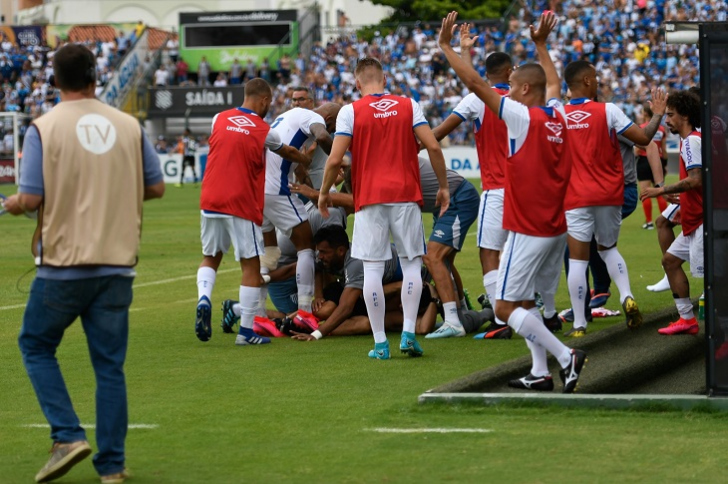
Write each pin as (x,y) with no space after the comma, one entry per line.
(597,170)
(659,136)
(491,138)
(234,178)
(691,202)
(537,170)
(384,167)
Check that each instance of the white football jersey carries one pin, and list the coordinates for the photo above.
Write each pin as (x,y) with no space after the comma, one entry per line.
(294,128)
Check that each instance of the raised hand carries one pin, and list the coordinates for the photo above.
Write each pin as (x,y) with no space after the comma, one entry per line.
(546,25)
(446,31)
(467,41)
(658,104)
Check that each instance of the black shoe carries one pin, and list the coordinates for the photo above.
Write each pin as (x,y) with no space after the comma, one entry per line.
(285,326)
(530,382)
(553,323)
(228,316)
(484,302)
(570,374)
(497,331)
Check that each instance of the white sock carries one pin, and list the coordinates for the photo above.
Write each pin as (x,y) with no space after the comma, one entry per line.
(305,268)
(451,314)
(236,309)
(577,290)
(526,324)
(248,305)
(490,279)
(539,363)
(617,269)
(262,296)
(373,293)
(411,291)
(549,304)
(684,307)
(205,282)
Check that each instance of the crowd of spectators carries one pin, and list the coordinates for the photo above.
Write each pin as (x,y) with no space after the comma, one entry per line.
(622,38)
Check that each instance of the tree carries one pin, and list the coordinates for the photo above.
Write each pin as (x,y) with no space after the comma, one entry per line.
(432,10)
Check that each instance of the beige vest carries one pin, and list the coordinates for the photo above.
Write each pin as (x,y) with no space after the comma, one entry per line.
(93,185)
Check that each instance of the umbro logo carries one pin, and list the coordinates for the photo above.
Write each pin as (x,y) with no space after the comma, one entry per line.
(438,233)
(241,121)
(555,128)
(384,107)
(384,104)
(575,119)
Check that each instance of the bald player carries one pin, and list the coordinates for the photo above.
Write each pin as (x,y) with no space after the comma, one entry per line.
(536,170)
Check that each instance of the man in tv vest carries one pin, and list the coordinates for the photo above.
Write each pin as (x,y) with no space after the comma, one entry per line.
(87,168)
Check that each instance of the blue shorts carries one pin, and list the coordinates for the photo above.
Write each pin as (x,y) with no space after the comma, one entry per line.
(284,295)
(453,226)
(630,200)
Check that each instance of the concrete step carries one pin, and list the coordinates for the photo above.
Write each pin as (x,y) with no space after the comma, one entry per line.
(620,360)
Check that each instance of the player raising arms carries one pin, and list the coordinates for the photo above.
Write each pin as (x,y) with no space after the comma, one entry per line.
(596,188)
(378,130)
(537,170)
(232,203)
(491,142)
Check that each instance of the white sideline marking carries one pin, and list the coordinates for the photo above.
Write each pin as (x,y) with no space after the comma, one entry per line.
(137,286)
(15,306)
(175,279)
(93,426)
(386,430)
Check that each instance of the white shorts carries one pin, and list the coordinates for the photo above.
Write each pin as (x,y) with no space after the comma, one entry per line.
(217,233)
(374,223)
(672,213)
(490,220)
(283,212)
(603,222)
(528,263)
(690,248)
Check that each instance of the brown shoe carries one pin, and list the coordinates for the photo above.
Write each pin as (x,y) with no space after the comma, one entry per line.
(63,457)
(117,478)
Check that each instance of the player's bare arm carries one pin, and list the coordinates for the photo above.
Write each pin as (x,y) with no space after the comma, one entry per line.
(539,35)
(465,72)
(20,203)
(467,42)
(445,128)
(154,191)
(323,138)
(333,164)
(344,200)
(424,134)
(643,136)
(694,181)
(342,312)
(653,158)
(293,155)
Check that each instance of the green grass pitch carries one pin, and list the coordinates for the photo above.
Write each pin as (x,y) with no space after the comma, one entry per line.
(304,412)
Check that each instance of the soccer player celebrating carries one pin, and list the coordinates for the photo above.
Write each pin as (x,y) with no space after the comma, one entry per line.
(683,118)
(232,203)
(285,212)
(536,170)
(378,130)
(491,143)
(594,200)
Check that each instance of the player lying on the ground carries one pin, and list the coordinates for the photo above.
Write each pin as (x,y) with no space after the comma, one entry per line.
(536,170)
(447,237)
(343,308)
